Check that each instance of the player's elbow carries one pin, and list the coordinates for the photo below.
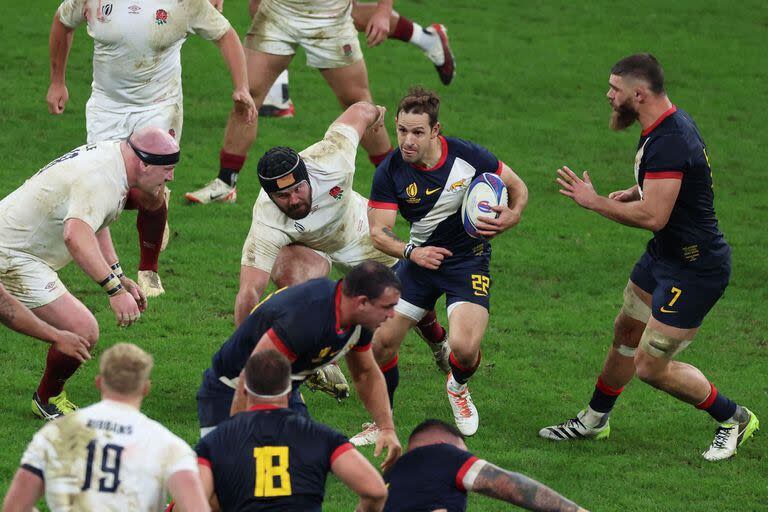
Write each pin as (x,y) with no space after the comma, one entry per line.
(374,497)
(657,223)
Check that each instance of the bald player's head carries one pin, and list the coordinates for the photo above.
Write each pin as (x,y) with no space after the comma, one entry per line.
(156,153)
(154,140)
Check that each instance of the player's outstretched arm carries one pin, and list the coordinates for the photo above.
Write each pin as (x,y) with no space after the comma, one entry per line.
(59,44)
(234,57)
(363,116)
(107,248)
(26,489)
(361,477)
(498,483)
(253,282)
(187,491)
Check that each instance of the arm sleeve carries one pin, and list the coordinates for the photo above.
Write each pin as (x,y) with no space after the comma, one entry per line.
(481,159)
(206,21)
(336,153)
(179,457)
(36,456)
(264,241)
(364,343)
(93,201)
(72,12)
(665,157)
(336,444)
(383,192)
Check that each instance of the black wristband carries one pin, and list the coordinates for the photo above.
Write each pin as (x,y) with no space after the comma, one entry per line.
(408,250)
(117,269)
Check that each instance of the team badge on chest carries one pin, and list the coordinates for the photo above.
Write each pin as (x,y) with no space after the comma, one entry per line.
(161,17)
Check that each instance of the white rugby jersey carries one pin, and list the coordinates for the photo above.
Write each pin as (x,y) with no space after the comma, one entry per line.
(106,457)
(338,217)
(321,12)
(88,183)
(137,43)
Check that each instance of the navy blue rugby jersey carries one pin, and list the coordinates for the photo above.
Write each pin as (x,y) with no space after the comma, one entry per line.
(429,478)
(430,199)
(673,148)
(303,323)
(270,458)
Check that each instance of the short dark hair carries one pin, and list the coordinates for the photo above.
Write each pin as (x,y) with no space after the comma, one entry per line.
(420,101)
(370,279)
(643,66)
(433,424)
(267,372)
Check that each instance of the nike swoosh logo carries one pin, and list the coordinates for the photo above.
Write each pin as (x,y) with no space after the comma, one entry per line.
(216,196)
(432,191)
(663,310)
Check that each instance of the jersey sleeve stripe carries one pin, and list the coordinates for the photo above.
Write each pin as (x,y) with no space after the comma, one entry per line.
(663,175)
(499,168)
(35,471)
(380,205)
(463,471)
(279,345)
(202,461)
(342,449)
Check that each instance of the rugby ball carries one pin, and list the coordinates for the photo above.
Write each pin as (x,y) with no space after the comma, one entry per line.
(485,191)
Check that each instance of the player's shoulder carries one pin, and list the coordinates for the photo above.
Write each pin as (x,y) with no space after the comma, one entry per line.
(465,149)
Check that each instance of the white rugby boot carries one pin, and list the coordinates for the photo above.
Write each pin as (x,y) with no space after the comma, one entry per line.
(729,436)
(575,428)
(213,191)
(368,436)
(149,281)
(464,412)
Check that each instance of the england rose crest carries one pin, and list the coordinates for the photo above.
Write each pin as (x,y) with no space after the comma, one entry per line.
(161,17)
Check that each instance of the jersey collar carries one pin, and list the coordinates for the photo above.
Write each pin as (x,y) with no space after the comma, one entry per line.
(443,156)
(337,310)
(264,407)
(671,110)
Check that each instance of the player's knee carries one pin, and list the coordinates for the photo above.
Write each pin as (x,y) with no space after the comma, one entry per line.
(465,353)
(383,352)
(90,331)
(626,335)
(648,370)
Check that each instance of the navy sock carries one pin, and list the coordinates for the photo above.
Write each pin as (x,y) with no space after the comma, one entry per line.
(604,397)
(460,373)
(392,378)
(719,406)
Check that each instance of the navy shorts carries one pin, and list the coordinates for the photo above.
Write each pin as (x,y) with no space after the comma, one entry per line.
(460,279)
(682,296)
(214,400)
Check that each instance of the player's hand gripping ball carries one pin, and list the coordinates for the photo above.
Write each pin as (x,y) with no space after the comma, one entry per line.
(485,192)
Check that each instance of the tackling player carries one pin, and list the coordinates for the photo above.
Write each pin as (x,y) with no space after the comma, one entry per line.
(437,471)
(307,216)
(683,272)
(425,179)
(283,455)
(109,456)
(137,82)
(63,213)
(312,324)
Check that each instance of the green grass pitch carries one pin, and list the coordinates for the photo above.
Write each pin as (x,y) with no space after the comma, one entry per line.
(530,86)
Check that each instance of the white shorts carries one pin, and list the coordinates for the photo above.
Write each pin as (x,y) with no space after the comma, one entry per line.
(361,250)
(103,124)
(29,279)
(328,46)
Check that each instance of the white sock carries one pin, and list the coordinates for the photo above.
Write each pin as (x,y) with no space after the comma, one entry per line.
(592,418)
(455,387)
(275,96)
(424,40)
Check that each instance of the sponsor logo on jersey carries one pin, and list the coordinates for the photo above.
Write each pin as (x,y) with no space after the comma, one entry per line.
(431,191)
(300,228)
(134,9)
(458,185)
(161,17)
(412,190)
(106,10)
(51,286)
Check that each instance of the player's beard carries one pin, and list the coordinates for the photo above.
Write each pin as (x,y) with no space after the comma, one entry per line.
(301,210)
(623,117)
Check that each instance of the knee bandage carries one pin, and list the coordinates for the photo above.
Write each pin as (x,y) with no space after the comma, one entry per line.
(657,344)
(634,307)
(626,351)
